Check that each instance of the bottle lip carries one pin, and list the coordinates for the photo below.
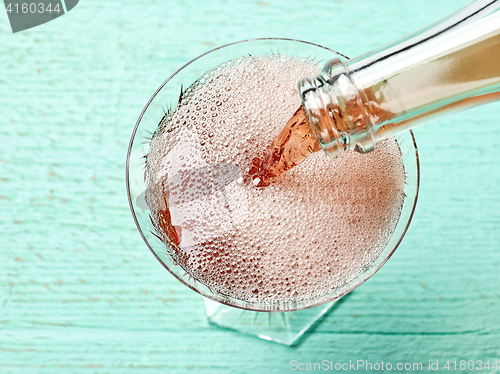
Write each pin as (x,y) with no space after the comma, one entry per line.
(336,112)
(321,105)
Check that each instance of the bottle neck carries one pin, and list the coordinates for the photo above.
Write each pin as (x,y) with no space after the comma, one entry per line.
(449,66)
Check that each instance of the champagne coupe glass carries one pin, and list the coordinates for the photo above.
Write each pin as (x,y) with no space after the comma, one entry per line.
(283,323)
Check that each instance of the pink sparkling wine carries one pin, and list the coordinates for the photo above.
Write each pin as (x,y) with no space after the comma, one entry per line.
(308,231)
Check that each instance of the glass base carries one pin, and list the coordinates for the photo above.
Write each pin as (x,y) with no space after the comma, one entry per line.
(279,327)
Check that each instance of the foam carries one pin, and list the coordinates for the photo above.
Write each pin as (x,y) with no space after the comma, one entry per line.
(313,230)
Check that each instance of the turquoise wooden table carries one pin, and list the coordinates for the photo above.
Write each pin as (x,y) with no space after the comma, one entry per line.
(81,293)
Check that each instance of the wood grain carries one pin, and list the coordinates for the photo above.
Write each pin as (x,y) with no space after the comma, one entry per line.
(80,292)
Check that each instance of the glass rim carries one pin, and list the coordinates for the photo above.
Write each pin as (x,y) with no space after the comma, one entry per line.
(226,300)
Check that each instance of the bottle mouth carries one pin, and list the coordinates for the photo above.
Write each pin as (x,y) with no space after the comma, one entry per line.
(335,111)
(316,103)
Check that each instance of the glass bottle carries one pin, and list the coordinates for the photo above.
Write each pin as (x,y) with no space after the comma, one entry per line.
(449,66)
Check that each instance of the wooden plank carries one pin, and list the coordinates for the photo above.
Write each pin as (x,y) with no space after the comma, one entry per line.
(80,292)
